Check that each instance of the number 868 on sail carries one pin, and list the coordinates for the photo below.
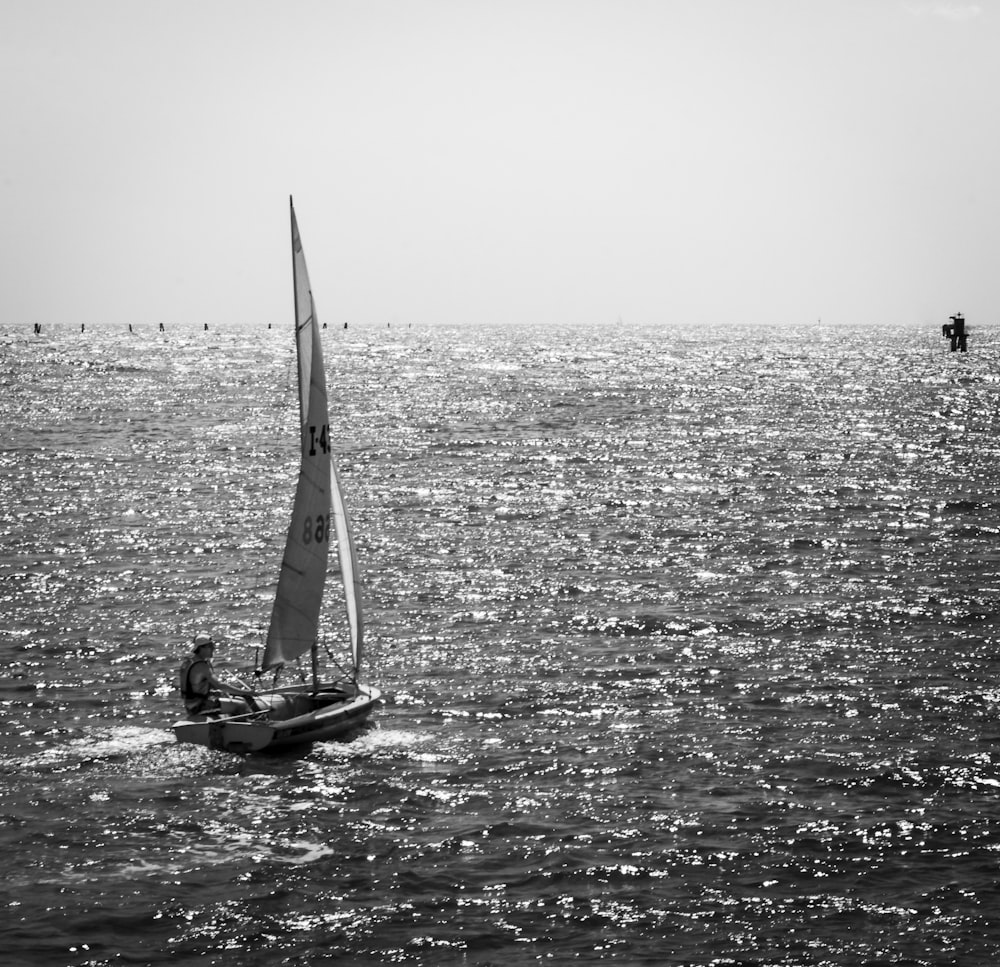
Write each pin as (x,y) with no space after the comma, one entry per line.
(318,532)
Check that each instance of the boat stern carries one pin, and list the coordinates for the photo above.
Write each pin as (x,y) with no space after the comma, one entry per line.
(226,735)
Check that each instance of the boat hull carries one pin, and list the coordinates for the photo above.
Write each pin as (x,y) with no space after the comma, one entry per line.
(291,717)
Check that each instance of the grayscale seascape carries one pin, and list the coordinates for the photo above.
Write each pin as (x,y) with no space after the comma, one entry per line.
(687,640)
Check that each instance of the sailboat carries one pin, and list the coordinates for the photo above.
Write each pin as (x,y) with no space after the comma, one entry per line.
(317,710)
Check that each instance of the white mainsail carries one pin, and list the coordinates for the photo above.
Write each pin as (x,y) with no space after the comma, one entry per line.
(318,501)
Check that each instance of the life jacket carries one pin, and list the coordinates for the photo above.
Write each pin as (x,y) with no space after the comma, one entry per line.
(193,698)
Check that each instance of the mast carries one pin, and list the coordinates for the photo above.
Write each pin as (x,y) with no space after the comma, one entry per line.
(297,244)
(293,235)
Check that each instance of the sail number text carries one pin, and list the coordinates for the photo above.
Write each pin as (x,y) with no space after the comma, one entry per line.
(316,530)
(323,440)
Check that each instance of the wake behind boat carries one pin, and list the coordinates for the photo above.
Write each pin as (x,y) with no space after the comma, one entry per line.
(276,718)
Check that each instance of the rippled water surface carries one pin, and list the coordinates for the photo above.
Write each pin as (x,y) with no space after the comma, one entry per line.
(688,644)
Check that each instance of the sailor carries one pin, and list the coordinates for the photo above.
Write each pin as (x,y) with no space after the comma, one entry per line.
(200,689)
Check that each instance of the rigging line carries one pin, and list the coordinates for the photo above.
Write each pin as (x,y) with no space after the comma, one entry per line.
(333,658)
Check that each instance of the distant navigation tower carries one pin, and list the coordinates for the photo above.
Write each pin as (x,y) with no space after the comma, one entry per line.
(955,332)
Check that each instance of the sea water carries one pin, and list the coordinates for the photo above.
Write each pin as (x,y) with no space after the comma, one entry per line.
(687,640)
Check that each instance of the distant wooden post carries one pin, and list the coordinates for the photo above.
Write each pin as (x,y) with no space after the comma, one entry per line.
(955,332)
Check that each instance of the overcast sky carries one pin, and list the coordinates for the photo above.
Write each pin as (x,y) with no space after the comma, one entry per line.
(527,161)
